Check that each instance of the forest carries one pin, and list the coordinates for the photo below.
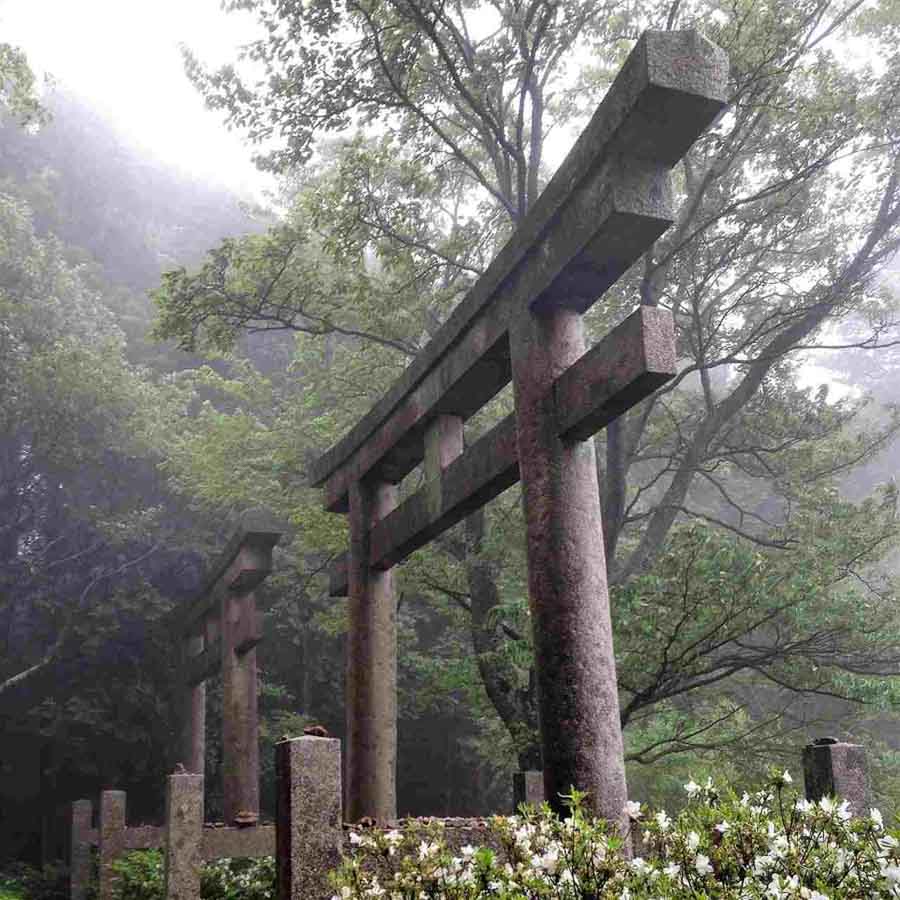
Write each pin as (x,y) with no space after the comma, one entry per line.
(172,355)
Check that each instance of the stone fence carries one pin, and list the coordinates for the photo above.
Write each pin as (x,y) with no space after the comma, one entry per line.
(309,834)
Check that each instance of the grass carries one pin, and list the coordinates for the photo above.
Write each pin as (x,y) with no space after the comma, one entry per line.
(10,892)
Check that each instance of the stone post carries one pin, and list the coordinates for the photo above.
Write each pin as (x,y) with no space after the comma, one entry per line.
(184,836)
(240,724)
(371,665)
(80,849)
(193,748)
(308,829)
(112,838)
(833,768)
(578,701)
(528,787)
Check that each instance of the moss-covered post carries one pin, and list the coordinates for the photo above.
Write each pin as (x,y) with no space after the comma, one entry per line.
(184,836)
(308,829)
(112,838)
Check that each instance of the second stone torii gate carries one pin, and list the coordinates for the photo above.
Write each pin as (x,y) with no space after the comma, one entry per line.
(220,630)
(609,201)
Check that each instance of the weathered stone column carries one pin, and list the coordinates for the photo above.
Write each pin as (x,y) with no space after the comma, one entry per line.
(112,838)
(193,747)
(240,725)
(833,768)
(528,787)
(576,673)
(371,667)
(80,849)
(184,836)
(308,831)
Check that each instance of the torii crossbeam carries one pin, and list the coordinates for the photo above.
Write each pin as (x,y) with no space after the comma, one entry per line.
(609,201)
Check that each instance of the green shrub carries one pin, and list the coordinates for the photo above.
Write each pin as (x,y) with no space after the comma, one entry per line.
(21,881)
(764,846)
(10,889)
(141,876)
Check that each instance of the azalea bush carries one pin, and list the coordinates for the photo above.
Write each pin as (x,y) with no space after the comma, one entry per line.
(141,876)
(769,844)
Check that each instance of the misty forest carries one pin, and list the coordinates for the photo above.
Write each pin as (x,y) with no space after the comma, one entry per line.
(173,355)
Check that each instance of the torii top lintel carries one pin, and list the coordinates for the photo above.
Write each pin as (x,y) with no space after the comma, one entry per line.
(242,565)
(607,203)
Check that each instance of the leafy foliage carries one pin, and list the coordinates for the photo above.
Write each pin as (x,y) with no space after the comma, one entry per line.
(767,844)
(141,876)
(18,94)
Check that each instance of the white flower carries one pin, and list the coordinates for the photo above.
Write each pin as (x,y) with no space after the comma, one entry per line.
(549,860)
(693,841)
(633,809)
(701,864)
(355,838)
(672,869)
(468,851)
(692,788)
(786,777)
(639,864)
(722,827)
(663,820)
(827,805)
(892,873)
(843,811)
(876,817)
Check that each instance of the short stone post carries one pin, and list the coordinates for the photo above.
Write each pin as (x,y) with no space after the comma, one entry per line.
(308,828)
(831,767)
(528,787)
(112,838)
(80,848)
(184,836)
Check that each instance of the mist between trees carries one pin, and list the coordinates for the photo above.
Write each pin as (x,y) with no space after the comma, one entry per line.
(749,511)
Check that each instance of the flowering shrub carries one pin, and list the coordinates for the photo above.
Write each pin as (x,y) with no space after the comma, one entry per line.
(141,876)
(767,845)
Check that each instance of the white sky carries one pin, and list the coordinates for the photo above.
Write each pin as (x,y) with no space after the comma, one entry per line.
(122,57)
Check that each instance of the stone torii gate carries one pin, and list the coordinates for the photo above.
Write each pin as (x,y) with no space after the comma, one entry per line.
(522,321)
(220,631)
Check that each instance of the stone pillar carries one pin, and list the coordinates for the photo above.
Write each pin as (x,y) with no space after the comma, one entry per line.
(308,830)
(112,838)
(193,738)
(581,737)
(80,849)
(240,724)
(528,787)
(371,665)
(184,836)
(833,768)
